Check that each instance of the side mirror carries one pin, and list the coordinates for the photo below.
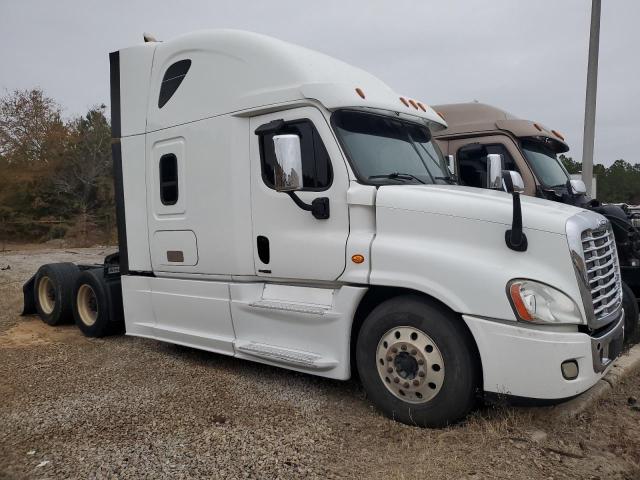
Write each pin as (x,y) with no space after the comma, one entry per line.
(578,187)
(288,174)
(451,164)
(494,171)
(512,182)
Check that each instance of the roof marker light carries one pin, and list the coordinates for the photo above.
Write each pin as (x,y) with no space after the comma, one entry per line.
(538,127)
(422,107)
(441,116)
(557,134)
(404,100)
(413,104)
(360,92)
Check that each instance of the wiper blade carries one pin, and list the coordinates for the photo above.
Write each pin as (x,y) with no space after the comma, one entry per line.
(398,176)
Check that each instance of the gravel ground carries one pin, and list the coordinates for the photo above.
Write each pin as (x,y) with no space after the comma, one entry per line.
(73,407)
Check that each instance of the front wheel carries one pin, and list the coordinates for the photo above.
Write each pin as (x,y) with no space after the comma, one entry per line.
(418,362)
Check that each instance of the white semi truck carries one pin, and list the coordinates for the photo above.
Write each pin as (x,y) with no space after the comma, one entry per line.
(280,206)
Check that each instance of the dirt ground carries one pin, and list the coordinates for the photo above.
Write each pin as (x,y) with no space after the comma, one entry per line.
(73,407)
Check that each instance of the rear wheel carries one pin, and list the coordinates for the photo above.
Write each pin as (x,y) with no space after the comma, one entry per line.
(417,362)
(630,305)
(53,292)
(91,308)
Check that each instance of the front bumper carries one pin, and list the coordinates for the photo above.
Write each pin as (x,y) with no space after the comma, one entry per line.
(526,361)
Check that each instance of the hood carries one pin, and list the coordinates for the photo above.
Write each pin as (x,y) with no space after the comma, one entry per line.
(477,204)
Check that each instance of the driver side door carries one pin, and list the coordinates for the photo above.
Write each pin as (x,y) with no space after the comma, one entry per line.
(289,242)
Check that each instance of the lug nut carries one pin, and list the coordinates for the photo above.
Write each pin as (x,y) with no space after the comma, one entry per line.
(396,380)
(421,362)
(390,370)
(406,384)
(403,347)
(421,374)
(414,351)
(394,350)
(416,383)
(389,358)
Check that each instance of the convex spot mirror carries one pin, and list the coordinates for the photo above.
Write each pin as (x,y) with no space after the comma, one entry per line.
(578,187)
(512,182)
(288,172)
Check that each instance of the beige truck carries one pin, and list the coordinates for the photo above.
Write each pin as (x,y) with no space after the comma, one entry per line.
(476,130)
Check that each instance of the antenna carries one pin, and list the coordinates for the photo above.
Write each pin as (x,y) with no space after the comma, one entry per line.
(148,37)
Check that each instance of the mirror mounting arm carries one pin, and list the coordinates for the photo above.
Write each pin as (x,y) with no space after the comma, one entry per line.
(319,207)
(515,238)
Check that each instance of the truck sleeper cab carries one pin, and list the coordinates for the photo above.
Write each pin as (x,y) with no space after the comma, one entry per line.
(476,130)
(281,206)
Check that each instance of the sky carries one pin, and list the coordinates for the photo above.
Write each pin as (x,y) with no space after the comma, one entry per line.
(527,57)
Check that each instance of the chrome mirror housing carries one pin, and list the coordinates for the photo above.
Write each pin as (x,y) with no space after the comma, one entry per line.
(494,171)
(451,164)
(288,172)
(578,187)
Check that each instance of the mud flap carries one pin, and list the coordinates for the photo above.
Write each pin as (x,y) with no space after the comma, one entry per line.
(29,307)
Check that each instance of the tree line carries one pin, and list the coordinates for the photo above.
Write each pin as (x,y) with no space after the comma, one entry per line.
(56,175)
(619,183)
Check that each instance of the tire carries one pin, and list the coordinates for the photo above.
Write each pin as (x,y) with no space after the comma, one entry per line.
(630,305)
(91,307)
(448,377)
(53,292)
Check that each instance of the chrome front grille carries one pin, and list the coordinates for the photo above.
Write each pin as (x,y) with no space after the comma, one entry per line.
(603,273)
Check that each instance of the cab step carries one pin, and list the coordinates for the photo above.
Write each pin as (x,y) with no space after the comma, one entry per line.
(286,356)
(291,307)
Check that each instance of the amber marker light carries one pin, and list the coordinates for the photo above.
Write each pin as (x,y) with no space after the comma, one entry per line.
(441,116)
(404,100)
(357,258)
(360,92)
(538,127)
(413,104)
(558,134)
(422,107)
(518,303)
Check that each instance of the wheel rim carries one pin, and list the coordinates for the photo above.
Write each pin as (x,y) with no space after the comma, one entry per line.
(46,295)
(87,305)
(410,364)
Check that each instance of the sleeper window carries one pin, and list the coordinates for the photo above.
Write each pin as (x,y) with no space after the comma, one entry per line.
(316,164)
(172,79)
(168,179)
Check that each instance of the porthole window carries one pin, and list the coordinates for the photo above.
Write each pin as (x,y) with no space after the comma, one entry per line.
(172,79)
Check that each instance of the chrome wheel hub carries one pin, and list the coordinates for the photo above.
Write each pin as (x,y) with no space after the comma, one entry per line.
(410,364)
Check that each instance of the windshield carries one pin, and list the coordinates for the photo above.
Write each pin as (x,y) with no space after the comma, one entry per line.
(545,164)
(382,149)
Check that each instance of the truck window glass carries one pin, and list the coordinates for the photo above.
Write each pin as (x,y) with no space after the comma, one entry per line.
(172,79)
(379,145)
(168,179)
(549,170)
(472,163)
(316,164)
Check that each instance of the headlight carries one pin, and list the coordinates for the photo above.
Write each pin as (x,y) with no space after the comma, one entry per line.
(535,302)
